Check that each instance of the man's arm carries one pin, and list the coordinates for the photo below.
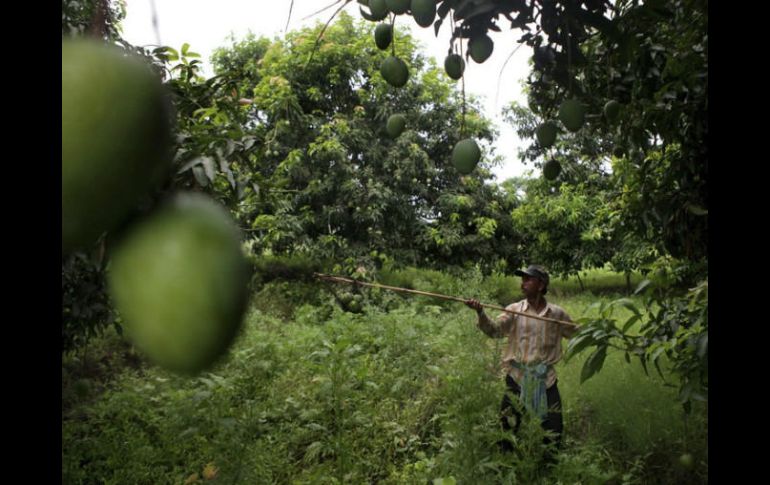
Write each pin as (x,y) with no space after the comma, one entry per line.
(495,329)
(567,331)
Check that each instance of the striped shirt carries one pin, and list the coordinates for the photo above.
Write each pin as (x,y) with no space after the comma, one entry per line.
(529,340)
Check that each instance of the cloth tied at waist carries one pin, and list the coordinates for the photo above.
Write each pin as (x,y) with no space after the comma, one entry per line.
(533,389)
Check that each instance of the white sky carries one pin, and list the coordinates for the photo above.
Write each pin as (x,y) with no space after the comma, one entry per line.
(207,24)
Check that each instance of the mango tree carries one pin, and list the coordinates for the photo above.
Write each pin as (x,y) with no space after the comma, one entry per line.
(292,135)
(634,76)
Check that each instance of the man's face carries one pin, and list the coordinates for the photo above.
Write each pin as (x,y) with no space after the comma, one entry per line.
(531,286)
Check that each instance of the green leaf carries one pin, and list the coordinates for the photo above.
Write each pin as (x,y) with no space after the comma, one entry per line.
(656,353)
(200,176)
(185,46)
(655,360)
(644,284)
(598,304)
(443,9)
(703,344)
(437,25)
(171,53)
(625,302)
(313,451)
(576,345)
(699,397)
(202,113)
(445,481)
(630,322)
(601,23)
(208,167)
(644,364)
(248,142)
(367,16)
(687,407)
(187,166)
(593,364)
(697,210)
(225,167)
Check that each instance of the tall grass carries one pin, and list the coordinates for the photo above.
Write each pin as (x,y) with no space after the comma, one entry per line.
(639,414)
(406,392)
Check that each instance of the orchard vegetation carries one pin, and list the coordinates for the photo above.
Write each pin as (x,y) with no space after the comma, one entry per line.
(341,148)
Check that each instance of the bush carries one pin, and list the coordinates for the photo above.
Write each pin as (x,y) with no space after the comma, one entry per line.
(86,307)
(407,395)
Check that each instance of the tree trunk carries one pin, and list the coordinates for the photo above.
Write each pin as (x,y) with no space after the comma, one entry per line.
(628,282)
(98,27)
(84,358)
(582,288)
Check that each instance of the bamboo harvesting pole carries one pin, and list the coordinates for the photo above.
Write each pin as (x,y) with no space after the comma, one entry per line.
(341,279)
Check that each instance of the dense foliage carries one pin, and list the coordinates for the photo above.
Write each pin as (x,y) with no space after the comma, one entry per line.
(290,135)
(408,392)
(98,18)
(329,383)
(647,162)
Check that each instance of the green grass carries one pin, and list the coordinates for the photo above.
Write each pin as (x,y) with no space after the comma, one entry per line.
(405,394)
(596,282)
(638,413)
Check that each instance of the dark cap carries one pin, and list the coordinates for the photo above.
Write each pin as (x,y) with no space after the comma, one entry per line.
(535,270)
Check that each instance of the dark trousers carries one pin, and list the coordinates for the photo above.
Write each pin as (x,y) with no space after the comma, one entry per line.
(553,421)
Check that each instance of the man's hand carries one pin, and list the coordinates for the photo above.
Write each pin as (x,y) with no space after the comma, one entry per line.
(475,304)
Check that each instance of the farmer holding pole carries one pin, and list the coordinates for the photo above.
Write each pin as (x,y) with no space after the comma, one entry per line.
(534,347)
(534,329)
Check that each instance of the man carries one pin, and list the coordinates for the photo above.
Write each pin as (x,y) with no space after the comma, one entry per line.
(534,347)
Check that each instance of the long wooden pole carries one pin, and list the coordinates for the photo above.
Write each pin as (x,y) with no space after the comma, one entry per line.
(341,279)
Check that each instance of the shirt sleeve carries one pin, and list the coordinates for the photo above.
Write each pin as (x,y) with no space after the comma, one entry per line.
(501,326)
(566,330)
